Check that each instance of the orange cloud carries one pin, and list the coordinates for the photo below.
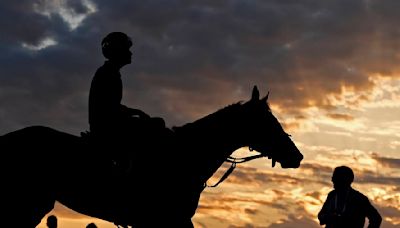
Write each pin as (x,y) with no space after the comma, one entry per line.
(340,116)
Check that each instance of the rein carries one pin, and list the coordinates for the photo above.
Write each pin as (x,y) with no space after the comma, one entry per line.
(234,161)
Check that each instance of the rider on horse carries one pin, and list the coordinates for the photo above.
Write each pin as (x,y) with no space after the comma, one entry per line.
(111,123)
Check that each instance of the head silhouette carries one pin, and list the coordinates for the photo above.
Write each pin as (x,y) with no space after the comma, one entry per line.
(52,221)
(91,225)
(342,177)
(115,47)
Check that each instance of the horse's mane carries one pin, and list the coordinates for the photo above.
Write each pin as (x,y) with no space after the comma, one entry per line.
(218,116)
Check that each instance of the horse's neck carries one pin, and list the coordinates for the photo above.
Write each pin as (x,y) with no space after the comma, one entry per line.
(214,138)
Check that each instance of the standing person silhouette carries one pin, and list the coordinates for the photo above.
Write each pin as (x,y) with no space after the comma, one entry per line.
(346,207)
(51,221)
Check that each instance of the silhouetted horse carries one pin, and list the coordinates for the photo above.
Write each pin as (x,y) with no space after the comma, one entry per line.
(40,165)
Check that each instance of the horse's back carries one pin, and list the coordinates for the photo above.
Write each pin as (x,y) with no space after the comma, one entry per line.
(34,135)
(31,153)
(37,148)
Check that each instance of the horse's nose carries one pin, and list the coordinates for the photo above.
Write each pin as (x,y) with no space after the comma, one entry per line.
(300,157)
(294,162)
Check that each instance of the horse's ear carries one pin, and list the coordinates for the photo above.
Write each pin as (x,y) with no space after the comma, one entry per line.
(256,94)
(264,99)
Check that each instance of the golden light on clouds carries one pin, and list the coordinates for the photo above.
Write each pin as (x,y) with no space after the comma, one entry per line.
(257,195)
(332,69)
(354,139)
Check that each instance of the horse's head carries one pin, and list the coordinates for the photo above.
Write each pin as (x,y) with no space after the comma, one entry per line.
(265,134)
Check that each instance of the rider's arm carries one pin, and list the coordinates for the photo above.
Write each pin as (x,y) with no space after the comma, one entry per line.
(326,215)
(134,112)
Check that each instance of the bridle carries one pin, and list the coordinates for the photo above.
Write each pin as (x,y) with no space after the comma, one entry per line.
(233,162)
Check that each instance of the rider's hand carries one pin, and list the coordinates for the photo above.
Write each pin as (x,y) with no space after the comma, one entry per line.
(134,112)
(139,113)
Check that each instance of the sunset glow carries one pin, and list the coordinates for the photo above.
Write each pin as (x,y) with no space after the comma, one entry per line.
(332,70)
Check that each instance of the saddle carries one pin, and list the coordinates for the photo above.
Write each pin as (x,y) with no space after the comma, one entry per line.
(146,134)
(134,127)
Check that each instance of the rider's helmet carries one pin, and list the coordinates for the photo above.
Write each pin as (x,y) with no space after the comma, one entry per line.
(115,43)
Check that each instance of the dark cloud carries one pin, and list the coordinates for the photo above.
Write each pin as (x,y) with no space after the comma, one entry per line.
(193,57)
(20,23)
(323,174)
(386,161)
(250,211)
(374,178)
(77,6)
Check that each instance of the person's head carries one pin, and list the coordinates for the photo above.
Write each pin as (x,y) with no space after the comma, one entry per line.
(342,177)
(52,221)
(115,47)
(91,225)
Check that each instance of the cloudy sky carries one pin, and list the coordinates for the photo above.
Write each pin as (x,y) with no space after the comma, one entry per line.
(332,68)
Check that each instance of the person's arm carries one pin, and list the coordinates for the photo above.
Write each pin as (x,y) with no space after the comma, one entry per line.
(373,215)
(134,112)
(326,215)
